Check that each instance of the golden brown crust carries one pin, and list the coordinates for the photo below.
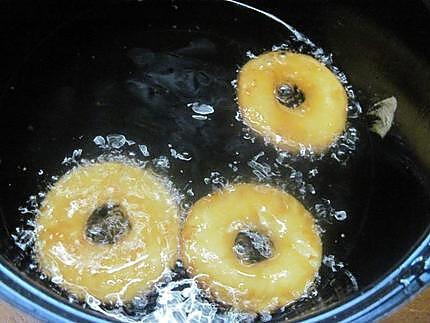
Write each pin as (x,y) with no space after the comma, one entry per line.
(109,272)
(208,238)
(315,123)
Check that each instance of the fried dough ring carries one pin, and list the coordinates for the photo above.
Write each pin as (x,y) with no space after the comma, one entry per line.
(314,123)
(112,271)
(209,234)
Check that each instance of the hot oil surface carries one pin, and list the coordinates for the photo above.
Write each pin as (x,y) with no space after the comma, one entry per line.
(171,90)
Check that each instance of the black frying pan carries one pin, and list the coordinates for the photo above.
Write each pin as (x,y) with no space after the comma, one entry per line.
(72,72)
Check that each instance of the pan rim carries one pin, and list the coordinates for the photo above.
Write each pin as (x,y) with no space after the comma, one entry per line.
(376,301)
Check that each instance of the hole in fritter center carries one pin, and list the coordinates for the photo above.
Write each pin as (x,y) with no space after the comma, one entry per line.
(107,224)
(290,96)
(252,246)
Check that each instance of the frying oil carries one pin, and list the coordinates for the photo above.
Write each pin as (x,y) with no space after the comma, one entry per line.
(187,128)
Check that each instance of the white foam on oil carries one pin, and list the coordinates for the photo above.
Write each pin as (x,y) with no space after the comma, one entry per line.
(325,212)
(184,156)
(216,179)
(201,108)
(114,141)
